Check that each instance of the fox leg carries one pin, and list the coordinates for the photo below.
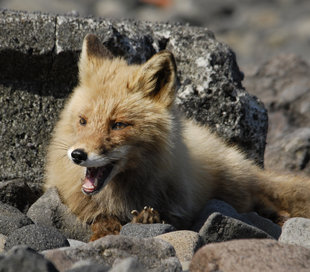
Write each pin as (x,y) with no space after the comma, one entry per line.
(147,216)
(110,225)
(105,225)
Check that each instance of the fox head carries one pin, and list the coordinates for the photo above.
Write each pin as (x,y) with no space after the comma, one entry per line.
(119,114)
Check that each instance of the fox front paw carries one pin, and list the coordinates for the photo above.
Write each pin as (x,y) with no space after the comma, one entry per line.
(147,216)
(105,225)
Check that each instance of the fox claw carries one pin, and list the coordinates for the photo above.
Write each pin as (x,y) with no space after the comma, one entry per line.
(147,216)
(134,212)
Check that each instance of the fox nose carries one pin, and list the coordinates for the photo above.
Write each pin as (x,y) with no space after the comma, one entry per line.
(78,156)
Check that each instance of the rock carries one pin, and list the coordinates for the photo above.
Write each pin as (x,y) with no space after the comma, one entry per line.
(251,255)
(2,242)
(38,63)
(75,243)
(8,210)
(24,259)
(215,205)
(31,50)
(185,243)
(296,231)
(88,266)
(219,228)
(211,92)
(283,85)
(246,26)
(127,265)
(11,219)
(61,260)
(36,237)
(145,230)
(294,150)
(264,224)
(17,193)
(48,210)
(153,254)
(252,218)
(9,224)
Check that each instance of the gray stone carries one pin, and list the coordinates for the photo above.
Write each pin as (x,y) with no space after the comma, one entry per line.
(185,243)
(244,25)
(264,224)
(251,255)
(130,264)
(61,260)
(9,224)
(23,259)
(145,230)
(296,231)
(36,237)
(225,209)
(283,84)
(48,210)
(151,253)
(219,228)
(7,210)
(27,33)
(17,193)
(293,148)
(38,63)
(212,206)
(89,266)
(11,219)
(211,92)
(75,243)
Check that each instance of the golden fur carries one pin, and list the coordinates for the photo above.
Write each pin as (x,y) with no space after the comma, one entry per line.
(170,164)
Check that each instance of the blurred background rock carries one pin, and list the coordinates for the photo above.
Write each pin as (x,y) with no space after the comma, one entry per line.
(256,30)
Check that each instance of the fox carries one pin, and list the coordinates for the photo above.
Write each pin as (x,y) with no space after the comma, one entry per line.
(122,152)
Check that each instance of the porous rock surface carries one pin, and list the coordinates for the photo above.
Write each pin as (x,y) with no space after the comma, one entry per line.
(38,64)
(37,237)
(12,219)
(50,211)
(296,231)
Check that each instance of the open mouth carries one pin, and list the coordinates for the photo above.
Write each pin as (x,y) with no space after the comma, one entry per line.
(96,178)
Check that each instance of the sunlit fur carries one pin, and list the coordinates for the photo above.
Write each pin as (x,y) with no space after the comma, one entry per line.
(170,164)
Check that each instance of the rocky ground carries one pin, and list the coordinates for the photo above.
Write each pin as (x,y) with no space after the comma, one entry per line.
(49,238)
(38,56)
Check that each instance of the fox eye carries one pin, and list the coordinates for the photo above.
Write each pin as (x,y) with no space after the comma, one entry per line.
(119,125)
(82,121)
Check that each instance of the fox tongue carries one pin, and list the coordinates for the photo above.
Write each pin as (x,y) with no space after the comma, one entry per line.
(89,183)
(96,178)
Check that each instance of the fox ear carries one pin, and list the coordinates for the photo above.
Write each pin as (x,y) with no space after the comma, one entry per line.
(157,78)
(93,48)
(93,53)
